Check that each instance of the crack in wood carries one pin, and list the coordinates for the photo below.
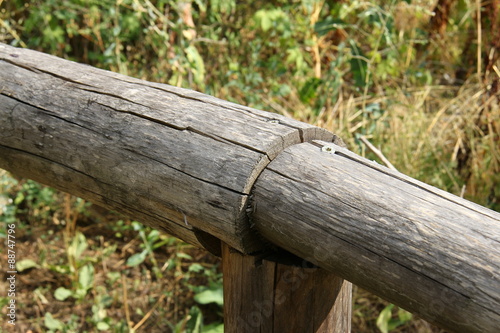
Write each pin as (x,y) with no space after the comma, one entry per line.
(143,116)
(37,70)
(202,99)
(49,113)
(33,70)
(51,162)
(225,140)
(222,104)
(188,174)
(188,128)
(121,98)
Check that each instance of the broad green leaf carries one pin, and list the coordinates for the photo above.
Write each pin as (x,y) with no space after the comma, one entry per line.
(210,296)
(80,293)
(213,328)
(62,293)
(78,245)
(384,317)
(404,316)
(295,56)
(25,264)
(195,268)
(266,18)
(86,277)
(153,236)
(19,198)
(262,18)
(137,259)
(102,326)
(51,323)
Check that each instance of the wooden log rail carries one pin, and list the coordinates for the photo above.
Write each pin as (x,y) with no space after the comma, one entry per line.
(209,171)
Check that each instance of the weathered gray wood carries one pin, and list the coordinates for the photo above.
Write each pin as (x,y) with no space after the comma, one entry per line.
(176,159)
(428,251)
(265,296)
(185,163)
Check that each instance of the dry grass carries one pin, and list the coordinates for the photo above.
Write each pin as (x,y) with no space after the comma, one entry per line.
(447,136)
(130,299)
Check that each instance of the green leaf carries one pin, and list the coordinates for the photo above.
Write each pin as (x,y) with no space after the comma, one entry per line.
(112,277)
(78,245)
(359,65)
(210,296)
(195,322)
(262,17)
(201,5)
(184,256)
(195,268)
(213,328)
(62,269)
(323,27)
(19,198)
(266,18)
(80,293)
(86,277)
(137,258)
(295,56)
(404,316)
(102,326)
(309,90)
(386,322)
(153,236)
(384,317)
(25,264)
(197,64)
(62,293)
(51,323)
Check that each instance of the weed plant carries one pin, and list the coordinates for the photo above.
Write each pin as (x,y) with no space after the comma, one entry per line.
(419,79)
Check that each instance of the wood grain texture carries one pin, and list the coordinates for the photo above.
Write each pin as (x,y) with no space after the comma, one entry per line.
(175,159)
(265,296)
(186,163)
(428,251)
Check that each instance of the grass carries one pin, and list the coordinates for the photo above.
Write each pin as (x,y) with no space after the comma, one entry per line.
(78,271)
(421,84)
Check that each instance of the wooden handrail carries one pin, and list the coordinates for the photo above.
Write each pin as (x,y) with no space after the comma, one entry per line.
(176,159)
(206,170)
(431,252)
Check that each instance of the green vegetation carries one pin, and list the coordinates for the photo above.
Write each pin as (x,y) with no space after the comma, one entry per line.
(419,79)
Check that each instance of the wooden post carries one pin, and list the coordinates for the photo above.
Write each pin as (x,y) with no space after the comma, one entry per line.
(267,296)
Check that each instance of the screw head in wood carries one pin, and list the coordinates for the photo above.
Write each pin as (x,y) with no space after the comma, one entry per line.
(328,149)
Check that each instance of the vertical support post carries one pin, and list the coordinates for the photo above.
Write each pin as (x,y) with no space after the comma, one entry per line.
(269,297)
